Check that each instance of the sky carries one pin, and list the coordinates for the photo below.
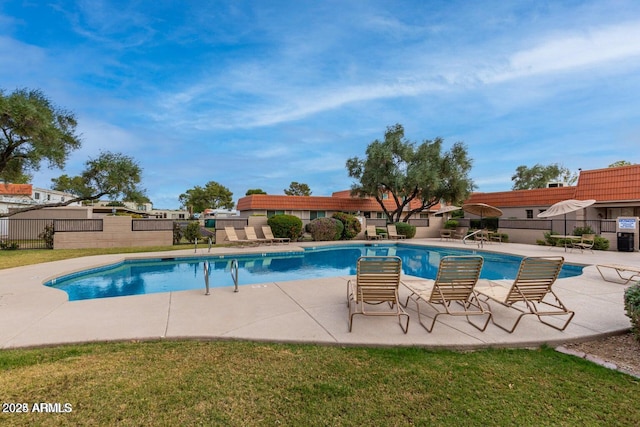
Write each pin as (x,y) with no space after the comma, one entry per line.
(259,94)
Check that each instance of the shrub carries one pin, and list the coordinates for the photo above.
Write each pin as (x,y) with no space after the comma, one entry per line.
(600,244)
(178,233)
(192,232)
(451,224)
(8,246)
(405,229)
(47,235)
(352,226)
(323,229)
(632,308)
(286,226)
(579,231)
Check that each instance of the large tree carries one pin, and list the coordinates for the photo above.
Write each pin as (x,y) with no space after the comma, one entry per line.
(297,189)
(538,176)
(406,173)
(112,175)
(212,196)
(33,130)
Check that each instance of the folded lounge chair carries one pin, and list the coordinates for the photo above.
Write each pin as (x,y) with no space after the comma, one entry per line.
(233,237)
(530,292)
(392,232)
(377,281)
(457,276)
(372,233)
(268,234)
(253,237)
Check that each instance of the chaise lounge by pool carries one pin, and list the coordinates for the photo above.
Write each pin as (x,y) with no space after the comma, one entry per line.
(309,310)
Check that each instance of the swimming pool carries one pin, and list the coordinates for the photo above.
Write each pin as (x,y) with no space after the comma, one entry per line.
(145,276)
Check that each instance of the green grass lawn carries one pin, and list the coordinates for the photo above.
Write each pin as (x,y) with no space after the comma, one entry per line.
(244,383)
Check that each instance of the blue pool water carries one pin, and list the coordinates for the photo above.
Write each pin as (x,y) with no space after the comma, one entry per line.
(136,277)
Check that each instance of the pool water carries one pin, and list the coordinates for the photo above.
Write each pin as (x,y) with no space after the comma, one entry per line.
(137,277)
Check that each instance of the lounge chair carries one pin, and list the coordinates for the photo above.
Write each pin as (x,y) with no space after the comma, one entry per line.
(445,234)
(633,272)
(372,233)
(253,237)
(527,293)
(233,237)
(459,233)
(268,234)
(392,232)
(457,276)
(376,282)
(586,242)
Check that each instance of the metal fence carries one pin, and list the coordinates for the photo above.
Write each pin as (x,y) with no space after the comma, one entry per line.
(23,233)
(76,225)
(152,225)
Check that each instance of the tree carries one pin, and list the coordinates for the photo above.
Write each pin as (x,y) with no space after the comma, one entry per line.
(33,130)
(110,174)
(297,189)
(255,191)
(620,163)
(212,196)
(406,173)
(539,176)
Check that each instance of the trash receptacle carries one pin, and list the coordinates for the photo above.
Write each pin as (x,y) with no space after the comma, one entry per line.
(625,242)
(210,223)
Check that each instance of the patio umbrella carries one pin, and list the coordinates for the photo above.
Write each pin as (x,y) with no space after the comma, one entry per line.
(447,208)
(482,210)
(564,207)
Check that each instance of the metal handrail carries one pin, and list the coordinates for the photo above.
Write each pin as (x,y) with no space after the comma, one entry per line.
(207,268)
(234,273)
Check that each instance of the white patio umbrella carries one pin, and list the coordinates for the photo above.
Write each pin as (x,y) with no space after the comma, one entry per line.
(564,207)
(482,210)
(447,208)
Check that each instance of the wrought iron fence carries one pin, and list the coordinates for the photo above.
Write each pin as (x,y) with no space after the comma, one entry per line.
(152,225)
(76,225)
(23,233)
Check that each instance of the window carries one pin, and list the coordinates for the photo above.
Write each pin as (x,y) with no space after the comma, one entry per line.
(529,213)
(36,196)
(273,213)
(317,214)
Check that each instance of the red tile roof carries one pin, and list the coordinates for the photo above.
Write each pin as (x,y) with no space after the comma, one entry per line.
(610,184)
(340,201)
(16,189)
(308,203)
(515,198)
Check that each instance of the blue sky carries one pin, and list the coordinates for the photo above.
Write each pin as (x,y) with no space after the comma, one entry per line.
(257,94)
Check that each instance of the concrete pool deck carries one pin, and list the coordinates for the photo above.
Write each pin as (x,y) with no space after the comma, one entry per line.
(302,311)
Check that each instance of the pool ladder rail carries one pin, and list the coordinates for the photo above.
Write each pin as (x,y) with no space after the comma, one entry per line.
(195,246)
(233,271)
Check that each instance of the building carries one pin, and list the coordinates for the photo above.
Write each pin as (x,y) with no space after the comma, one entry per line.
(16,196)
(615,190)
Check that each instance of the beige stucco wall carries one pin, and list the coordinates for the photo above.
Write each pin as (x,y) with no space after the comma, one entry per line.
(80,212)
(116,234)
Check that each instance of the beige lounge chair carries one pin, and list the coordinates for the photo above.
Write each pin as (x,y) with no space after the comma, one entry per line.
(233,237)
(457,276)
(392,232)
(634,272)
(445,234)
(459,233)
(527,293)
(586,242)
(268,234)
(371,233)
(253,237)
(377,281)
